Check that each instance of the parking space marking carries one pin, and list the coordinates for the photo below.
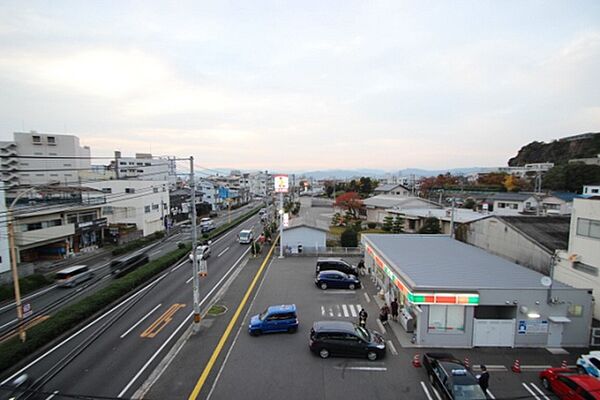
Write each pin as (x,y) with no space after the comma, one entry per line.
(330,312)
(345,309)
(426,390)
(367,297)
(487,391)
(381,327)
(322,310)
(537,389)
(392,347)
(353,311)
(378,369)
(530,391)
(339,291)
(535,367)
(190,279)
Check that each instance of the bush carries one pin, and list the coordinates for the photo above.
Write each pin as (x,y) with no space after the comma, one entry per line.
(349,238)
(27,284)
(372,225)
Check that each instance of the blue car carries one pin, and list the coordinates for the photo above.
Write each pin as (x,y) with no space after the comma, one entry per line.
(336,279)
(274,319)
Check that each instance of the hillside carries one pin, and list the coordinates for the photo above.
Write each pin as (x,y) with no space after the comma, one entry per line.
(559,151)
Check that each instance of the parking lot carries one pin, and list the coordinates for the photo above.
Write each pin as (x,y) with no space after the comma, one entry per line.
(281,365)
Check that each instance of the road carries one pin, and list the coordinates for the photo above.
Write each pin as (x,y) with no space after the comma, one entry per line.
(47,300)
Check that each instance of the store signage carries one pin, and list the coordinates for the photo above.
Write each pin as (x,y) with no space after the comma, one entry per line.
(281,183)
(467,299)
(97,223)
(532,326)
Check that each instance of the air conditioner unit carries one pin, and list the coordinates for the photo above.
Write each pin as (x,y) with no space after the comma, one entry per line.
(574,257)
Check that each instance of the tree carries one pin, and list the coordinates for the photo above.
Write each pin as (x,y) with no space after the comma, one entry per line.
(397,226)
(349,238)
(492,179)
(469,203)
(365,186)
(571,177)
(336,219)
(388,223)
(431,225)
(512,183)
(350,202)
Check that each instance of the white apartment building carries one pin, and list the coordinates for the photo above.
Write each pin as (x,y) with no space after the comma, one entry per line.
(527,169)
(591,190)
(144,167)
(47,167)
(210,193)
(579,266)
(143,203)
(4,248)
(258,183)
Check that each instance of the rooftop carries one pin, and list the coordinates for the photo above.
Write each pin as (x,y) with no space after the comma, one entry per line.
(551,233)
(388,187)
(386,201)
(461,215)
(511,196)
(428,262)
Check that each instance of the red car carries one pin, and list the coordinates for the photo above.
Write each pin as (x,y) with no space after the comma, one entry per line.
(570,384)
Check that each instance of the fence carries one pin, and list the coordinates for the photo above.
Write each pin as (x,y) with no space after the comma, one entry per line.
(321,251)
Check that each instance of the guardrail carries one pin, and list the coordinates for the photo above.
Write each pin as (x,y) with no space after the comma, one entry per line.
(322,251)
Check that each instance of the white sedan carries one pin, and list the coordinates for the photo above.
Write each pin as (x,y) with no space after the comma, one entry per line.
(590,363)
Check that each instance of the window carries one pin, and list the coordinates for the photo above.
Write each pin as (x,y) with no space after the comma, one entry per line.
(595,190)
(24,164)
(588,269)
(68,175)
(575,310)
(33,227)
(108,210)
(72,219)
(446,319)
(106,190)
(129,190)
(37,153)
(53,174)
(36,139)
(588,227)
(146,209)
(155,206)
(67,165)
(147,164)
(501,205)
(155,190)
(51,140)
(122,163)
(52,154)
(39,174)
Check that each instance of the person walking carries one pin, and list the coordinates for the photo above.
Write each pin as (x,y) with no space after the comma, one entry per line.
(484,379)
(361,267)
(362,317)
(384,313)
(394,305)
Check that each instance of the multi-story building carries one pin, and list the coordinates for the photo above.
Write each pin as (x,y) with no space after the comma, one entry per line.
(259,183)
(528,169)
(43,158)
(579,266)
(143,203)
(210,193)
(591,190)
(4,248)
(144,167)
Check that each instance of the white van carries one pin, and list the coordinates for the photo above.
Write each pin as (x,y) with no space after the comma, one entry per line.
(72,276)
(207,225)
(245,236)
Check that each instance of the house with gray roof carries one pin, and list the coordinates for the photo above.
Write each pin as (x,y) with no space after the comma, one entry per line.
(394,189)
(512,203)
(305,234)
(377,206)
(414,218)
(529,241)
(558,203)
(462,296)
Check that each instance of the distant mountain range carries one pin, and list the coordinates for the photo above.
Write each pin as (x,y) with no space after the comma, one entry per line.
(379,173)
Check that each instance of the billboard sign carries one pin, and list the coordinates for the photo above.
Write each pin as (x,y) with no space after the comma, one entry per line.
(281,183)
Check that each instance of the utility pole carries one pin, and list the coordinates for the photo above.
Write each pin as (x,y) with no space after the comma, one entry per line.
(195,276)
(281,225)
(452,220)
(15,273)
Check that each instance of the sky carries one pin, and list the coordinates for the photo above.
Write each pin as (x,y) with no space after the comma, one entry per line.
(303,85)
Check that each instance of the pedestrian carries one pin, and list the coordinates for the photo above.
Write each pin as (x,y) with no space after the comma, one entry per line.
(361,267)
(394,305)
(484,379)
(362,317)
(383,314)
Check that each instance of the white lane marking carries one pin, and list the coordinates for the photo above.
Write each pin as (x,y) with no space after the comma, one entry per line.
(497,368)
(179,266)
(100,267)
(322,310)
(105,277)
(392,347)
(330,312)
(338,310)
(367,297)
(334,291)
(435,391)
(155,252)
(345,309)
(539,390)
(140,321)
(535,367)
(361,368)
(223,252)
(181,325)
(530,391)
(31,296)
(487,391)
(381,327)
(127,300)
(353,311)
(189,280)
(426,391)
(52,395)
(9,323)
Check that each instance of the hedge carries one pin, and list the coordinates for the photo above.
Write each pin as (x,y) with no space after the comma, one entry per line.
(12,350)
(27,285)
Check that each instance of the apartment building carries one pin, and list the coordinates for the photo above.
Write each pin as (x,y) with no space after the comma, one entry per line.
(144,167)
(4,248)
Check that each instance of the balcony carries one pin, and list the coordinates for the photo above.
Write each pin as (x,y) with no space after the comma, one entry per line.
(44,235)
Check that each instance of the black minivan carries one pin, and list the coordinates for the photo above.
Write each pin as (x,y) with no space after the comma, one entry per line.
(336,264)
(343,338)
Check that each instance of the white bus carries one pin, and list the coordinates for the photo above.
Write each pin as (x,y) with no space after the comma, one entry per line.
(72,276)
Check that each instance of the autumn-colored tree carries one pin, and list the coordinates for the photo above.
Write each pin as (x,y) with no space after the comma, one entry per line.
(350,202)
(513,183)
(492,178)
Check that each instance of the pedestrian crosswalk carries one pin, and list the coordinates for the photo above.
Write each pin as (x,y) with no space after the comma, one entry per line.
(341,310)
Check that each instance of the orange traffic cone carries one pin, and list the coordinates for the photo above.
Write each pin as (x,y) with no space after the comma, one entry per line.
(516,366)
(467,362)
(564,364)
(416,361)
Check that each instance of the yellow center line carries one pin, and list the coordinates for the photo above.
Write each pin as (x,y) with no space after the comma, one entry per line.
(162,321)
(219,348)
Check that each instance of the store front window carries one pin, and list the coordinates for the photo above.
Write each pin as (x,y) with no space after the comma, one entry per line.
(446,319)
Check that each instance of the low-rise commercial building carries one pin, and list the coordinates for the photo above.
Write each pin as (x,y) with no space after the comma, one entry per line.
(457,295)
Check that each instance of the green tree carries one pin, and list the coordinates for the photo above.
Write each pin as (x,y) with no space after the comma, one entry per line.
(398,225)
(431,225)
(335,220)
(365,185)
(388,223)
(349,238)
(571,177)
(470,204)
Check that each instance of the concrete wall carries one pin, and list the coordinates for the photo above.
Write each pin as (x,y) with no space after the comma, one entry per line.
(494,235)
(308,237)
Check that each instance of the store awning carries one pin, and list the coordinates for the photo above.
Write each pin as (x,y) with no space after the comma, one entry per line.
(559,320)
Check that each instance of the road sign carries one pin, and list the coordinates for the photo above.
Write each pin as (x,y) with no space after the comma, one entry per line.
(282,183)
(286,220)
(27,311)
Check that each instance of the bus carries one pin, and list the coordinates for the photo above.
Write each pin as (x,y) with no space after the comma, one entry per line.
(125,265)
(72,276)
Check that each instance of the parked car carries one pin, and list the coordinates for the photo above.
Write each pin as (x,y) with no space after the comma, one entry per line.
(337,280)
(335,264)
(343,338)
(590,363)
(570,384)
(207,225)
(274,319)
(451,377)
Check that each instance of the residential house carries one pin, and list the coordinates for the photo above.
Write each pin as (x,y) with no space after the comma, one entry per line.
(512,203)
(579,265)
(392,190)
(591,190)
(558,203)
(378,206)
(526,240)
(305,234)
(414,218)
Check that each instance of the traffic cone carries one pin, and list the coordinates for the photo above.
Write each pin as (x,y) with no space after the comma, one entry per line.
(416,361)
(516,367)
(467,362)
(564,364)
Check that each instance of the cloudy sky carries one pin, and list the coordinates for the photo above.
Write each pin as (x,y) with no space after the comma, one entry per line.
(303,84)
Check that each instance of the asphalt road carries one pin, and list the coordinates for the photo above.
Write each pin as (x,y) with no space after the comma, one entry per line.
(44,298)
(113,360)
